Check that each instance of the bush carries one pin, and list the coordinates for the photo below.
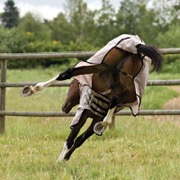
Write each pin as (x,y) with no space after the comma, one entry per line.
(171,64)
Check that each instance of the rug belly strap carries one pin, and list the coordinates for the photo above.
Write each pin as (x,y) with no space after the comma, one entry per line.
(99,104)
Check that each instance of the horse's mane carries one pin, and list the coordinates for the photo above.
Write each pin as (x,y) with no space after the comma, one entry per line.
(153,53)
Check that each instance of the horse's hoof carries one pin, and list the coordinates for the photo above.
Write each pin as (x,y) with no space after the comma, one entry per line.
(99,128)
(27,91)
(63,153)
(61,158)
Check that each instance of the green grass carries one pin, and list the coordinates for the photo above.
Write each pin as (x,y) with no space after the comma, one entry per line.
(141,148)
(31,75)
(155,97)
(164,76)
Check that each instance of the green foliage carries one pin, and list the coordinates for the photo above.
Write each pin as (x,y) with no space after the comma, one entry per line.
(167,39)
(12,41)
(155,97)
(171,37)
(139,148)
(34,28)
(105,22)
(79,28)
(166,11)
(60,29)
(172,64)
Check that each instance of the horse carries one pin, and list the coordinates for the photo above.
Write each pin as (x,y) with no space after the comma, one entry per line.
(114,83)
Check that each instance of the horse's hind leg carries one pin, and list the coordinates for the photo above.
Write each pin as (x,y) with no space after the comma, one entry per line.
(81,139)
(72,97)
(73,134)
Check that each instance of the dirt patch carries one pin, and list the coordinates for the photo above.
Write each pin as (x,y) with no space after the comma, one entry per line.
(175,102)
(175,88)
(172,104)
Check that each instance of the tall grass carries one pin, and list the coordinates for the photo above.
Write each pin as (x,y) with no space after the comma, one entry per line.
(141,148)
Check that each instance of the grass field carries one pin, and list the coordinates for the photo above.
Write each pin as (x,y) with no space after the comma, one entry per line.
(141,148)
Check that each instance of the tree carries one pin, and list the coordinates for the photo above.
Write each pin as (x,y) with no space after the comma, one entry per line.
(61,29)
(105,26)
(77,12)
(10,16)
(34,28)
(171,37)
(166,11)
(128,17)
(133,17)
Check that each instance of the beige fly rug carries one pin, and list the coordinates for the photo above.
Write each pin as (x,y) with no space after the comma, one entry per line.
(88,96)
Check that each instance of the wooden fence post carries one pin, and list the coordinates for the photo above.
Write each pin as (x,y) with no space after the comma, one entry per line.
(3,95)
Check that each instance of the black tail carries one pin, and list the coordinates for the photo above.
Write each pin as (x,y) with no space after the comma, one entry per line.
(153,53)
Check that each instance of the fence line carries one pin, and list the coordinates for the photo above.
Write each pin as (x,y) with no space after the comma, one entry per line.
(60,114)
(4,57)
(66,84)
(37,56)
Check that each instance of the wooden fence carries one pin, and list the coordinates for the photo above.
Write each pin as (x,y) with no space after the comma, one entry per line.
(4,57)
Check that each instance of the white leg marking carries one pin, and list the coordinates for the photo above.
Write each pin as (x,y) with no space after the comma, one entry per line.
(108,119)
(64,152)
(42,85)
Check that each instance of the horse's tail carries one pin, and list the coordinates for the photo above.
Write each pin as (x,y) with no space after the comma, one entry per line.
(153,53)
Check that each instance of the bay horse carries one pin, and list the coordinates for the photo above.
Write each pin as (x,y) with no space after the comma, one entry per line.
(116,81)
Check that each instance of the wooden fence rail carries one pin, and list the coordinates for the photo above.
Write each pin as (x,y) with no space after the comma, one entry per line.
(37,56)
(66,84)
(60,114)
(4,57)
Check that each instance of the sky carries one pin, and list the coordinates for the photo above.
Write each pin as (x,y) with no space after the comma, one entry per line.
(48,9)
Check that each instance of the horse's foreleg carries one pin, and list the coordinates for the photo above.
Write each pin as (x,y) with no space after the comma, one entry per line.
(72,96)
(101,126)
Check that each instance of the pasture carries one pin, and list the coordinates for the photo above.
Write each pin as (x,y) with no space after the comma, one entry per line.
(139,148)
